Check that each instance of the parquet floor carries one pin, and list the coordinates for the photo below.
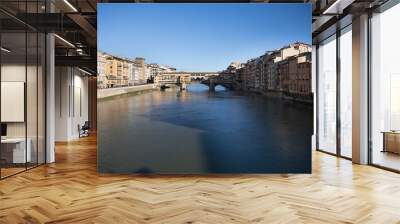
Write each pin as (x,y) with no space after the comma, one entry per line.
(70,191)
(11,170)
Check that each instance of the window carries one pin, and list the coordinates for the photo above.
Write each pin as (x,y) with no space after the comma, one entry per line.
(327,95)
(385,89)
(346,92)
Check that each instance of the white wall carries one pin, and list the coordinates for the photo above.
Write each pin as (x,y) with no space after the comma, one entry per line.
(62,82)
(79,117)
(71,87)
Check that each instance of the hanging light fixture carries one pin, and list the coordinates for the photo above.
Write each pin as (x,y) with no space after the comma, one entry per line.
(70,5)
(64,40)
(5,50)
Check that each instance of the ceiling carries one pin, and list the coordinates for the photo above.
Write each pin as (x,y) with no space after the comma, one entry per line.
(75,22)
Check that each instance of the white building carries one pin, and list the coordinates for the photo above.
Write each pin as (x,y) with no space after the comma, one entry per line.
(101,64)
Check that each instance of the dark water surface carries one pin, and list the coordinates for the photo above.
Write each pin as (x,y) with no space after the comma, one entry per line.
(197,132)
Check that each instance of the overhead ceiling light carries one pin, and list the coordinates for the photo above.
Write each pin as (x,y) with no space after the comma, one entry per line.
(79,51)
(70,5)
(5,50)
(64,40)
(86,72)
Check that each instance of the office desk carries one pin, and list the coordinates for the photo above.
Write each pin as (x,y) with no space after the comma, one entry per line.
(391,141)
(16,147)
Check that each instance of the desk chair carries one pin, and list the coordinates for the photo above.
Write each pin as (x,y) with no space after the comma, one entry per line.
(84,130)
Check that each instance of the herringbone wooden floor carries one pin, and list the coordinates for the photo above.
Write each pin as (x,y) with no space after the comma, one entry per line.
(70,191)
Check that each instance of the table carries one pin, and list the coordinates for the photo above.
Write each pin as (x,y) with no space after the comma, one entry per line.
(19,154)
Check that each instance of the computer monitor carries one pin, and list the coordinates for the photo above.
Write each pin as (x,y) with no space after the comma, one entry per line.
(3,129)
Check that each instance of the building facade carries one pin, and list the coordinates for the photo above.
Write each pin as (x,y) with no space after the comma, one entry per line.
(286,70)
(141,70)
(114,71)
(101,70)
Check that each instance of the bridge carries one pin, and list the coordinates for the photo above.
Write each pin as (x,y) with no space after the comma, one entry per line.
(226,80)
(182,79)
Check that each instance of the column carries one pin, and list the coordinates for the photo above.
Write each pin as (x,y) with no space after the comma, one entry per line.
(50,98)
(360,90)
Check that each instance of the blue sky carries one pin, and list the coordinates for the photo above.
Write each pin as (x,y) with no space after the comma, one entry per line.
(200,37)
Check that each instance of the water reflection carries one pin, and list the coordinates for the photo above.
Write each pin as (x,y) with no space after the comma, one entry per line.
(197,131)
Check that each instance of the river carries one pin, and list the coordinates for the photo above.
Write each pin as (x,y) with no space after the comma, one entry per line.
(201,132)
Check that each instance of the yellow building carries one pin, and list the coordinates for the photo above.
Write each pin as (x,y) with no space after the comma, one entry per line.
(101,70)
(117,71)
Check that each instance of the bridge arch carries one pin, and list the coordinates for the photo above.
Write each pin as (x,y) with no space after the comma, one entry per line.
(182,79)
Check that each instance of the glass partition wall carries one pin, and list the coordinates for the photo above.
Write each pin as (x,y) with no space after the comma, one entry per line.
(13,109)
(22,98)
(334,94)
(385,89)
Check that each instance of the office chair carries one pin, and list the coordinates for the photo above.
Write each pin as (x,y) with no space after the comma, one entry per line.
(84,130)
